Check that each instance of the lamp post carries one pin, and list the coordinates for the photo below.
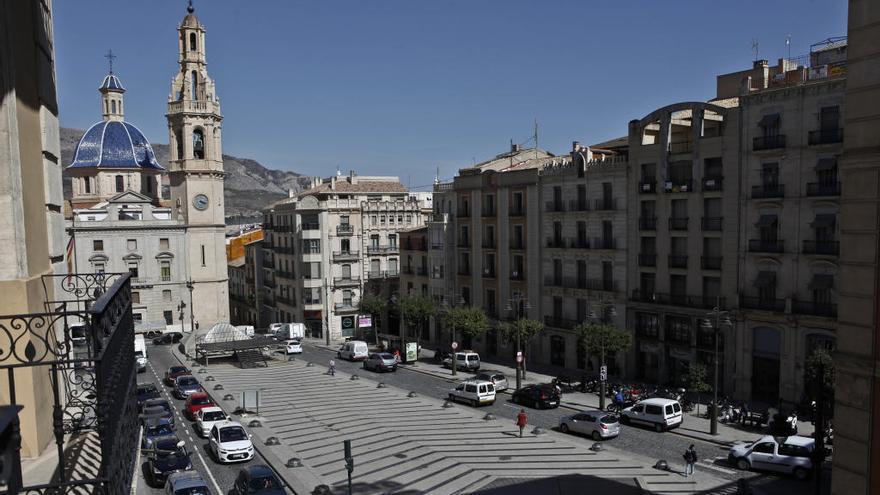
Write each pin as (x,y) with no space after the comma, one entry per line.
(518,304)
(713,321)
(192,318)
(455,300)
(602,319)
(180,307)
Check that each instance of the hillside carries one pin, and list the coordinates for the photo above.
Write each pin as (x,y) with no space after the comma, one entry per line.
(249,185)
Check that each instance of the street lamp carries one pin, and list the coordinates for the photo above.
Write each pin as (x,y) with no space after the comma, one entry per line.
(719,318)
(189,285)
(456,301)
(606,315)
(518,304)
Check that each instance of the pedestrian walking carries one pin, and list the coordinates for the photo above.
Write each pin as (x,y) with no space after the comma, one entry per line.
(397,355)
(521,420)
(332,368)
(745,413)
(690,458)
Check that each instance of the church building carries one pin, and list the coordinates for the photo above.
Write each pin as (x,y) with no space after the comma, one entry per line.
(174,248)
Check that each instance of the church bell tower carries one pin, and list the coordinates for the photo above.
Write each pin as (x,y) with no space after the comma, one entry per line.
(196,173)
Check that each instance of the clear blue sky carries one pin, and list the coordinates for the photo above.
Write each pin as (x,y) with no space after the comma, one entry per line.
(401,87)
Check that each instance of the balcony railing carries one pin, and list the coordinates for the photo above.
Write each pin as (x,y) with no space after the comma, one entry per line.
(712,223)
(680,223)
(346,281)
(711,262)
(378,274)
(713,183)
(268,263)
(766,246)
(647,260)
(312,300)
(558,322)
(463,213)
(677,261)
(679,186)
(407,270)
(286,275)
(831,248)
(345,255)
(463,242)
(601,243)
(464,270)
(345,306)
(285,300)
(580,243)
(311,226)
(825,136)
(422,271)
(383,249)
(647,223)
(345,229)
(606,204)
(814,308)
(582,283)
(517,244)
(517,275)
(488,273)
(698,302)
(768,142)
(555,206)
(488,212)
(579,205)
(284,250)
(823,188)
(269,283)
(762,303)
(763,191)
(555,242)
(488,243)
(516,212)
(681,147)
(647,186)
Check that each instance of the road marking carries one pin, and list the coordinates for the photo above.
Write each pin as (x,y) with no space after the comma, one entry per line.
(709,465)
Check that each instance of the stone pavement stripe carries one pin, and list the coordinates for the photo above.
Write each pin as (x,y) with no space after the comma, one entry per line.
(460,483)
(426,482)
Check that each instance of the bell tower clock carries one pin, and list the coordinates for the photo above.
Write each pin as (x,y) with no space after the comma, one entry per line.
(196,172)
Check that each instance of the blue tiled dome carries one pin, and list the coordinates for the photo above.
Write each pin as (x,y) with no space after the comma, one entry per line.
(112,82)
(114,144)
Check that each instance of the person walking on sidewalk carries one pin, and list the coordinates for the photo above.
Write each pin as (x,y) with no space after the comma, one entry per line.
(690,458)
(521,420)
(332,367)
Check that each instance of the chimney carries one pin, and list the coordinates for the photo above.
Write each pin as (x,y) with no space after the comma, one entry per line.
(352,177)
(333,182)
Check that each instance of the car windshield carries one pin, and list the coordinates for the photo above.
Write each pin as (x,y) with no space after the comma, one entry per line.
(187,380)
(147,389)
(162,429)
(166,444)
(138,354)
(264,483)
(233,434)
(177,369)
(194,490)
(386,356)
(213,416)
(201,400)
(150,411)
(608,419)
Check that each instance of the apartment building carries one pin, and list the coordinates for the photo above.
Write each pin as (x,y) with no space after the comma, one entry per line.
(331,243)
(415,265)
(583,258)
(791,141)
(244,253)
(682,199)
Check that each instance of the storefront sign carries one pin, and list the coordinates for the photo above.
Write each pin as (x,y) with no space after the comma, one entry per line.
(365,321)
(412,352)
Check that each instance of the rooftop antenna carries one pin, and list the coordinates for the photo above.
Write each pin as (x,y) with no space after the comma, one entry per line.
(109,56)
(338,172)
(788,44)
(536,138)
(437,176)
(755,47)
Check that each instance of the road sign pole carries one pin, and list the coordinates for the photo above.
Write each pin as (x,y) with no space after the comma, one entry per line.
(349,462)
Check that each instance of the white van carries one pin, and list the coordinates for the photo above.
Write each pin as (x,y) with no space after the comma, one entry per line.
(140,353)
(290,331)
(474,392)
(353,350)
(662,414)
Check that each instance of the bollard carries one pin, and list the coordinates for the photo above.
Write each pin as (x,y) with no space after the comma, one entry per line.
(489,417)
(228,397)
(218,387)
(255,423)
(209,378)
(662,465)
(412,395)
(294,462)
(354,377)
(538,431)
(447,404)
(596,447)
(272,441)
(381,385)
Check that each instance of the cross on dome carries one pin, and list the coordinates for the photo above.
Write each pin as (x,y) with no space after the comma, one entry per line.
(110,57)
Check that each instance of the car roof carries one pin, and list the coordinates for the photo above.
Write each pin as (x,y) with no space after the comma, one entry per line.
(260,470)
(151,422)
(227,424)
(211,409)
(197,395)
(477,382)
(186,479)
(658,401)
(792,440)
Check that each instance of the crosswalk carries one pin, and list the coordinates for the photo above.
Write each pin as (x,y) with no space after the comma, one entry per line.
(404,444)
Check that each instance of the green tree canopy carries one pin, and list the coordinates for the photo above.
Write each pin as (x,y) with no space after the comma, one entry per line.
(695,379)
(416,310)
(819,371)
(595,336)
(466,320)
(371,304)
(525,327)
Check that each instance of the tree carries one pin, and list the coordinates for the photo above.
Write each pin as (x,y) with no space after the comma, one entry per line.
(819,378)
(416,311)
(603,339)
(466,320)
(525,328)
(372,305)
(695,380)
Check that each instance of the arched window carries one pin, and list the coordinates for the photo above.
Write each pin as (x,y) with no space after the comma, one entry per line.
(179,138)
(194,81)
(198,144)
(113,106)
(120,183)
(192,42)
(88,185)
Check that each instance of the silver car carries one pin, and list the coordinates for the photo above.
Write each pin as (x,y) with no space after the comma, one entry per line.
(495,377)
(380,361)
(597,424)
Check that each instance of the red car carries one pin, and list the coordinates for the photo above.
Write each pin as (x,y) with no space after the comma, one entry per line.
(196,401)
(173,372)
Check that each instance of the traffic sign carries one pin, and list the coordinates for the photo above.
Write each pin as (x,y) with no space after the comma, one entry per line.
(454,345)
(519,356)
(603,373)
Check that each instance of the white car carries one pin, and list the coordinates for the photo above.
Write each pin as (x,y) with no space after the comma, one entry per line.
(791,456)
(474,392)
(207,417)
(229,442)
(293,346)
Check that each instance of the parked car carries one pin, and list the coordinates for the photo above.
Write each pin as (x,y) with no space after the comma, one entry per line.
(537,396)
(496,377)
(293,346)
(155,429)
(597,424)
(186,385)
(173,372)
(440,355)
(156,412)
(792,456)
(168,338)
(662,414)
(186,483)
(464,360)
(353,350)
(141,361)
(165,456)
(229,442)
(195,403)
(146,391)
(158,402)
(474,392)
(380,361)
(206,419)
(257,480)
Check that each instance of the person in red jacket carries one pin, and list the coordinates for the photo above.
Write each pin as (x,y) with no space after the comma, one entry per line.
(521,421)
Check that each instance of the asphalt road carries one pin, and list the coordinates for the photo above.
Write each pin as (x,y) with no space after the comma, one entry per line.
(665,445)
(218,476)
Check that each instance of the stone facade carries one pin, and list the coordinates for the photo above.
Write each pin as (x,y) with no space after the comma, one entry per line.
(245,254)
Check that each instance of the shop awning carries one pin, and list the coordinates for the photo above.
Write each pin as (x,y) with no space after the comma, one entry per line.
(825,220)
(822,282)
(765,279)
